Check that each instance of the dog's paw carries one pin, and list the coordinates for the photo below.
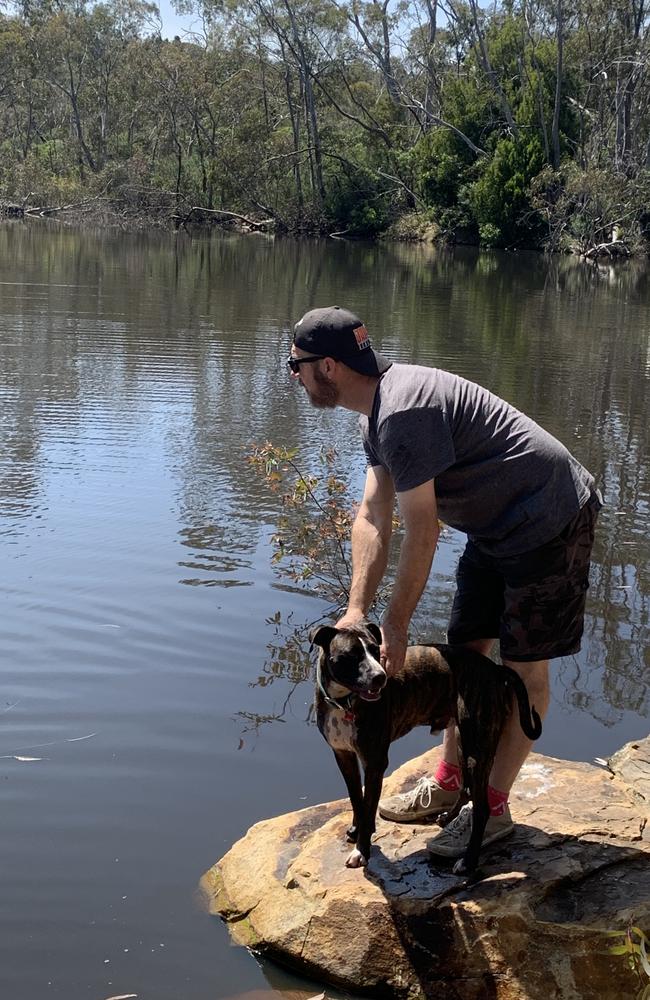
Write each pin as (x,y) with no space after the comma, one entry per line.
(351,834)
(355,859)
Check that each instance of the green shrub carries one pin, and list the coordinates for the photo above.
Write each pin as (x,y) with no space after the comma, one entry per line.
(33,178)
(489,235)
(439,166)
(501,197)
(359,203)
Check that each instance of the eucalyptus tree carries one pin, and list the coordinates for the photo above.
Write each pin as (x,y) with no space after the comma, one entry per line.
(333,112)
(611,42)
(112,28)
(300,38)
(61,48)
(76,49)
(21,102)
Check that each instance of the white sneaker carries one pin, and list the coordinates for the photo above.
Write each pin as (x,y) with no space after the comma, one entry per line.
(452,840)
(426,798)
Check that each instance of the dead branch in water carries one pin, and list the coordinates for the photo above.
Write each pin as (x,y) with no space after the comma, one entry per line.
(44,211)
(182,220)
(615,248)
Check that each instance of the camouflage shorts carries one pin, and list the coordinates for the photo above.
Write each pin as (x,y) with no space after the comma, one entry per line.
(534,602)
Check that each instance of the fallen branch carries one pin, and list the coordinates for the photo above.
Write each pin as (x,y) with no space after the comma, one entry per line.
(254,223)
(611,249)
(43,211)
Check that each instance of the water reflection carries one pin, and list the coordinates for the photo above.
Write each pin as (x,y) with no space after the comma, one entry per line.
(105,333)
(215,555)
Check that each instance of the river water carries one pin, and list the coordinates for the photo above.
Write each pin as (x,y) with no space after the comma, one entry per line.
(150,709)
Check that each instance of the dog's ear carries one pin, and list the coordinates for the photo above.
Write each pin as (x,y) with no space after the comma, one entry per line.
(322,636)
(374,631)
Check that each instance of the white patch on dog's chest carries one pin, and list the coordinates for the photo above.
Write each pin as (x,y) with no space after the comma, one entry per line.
(340,730)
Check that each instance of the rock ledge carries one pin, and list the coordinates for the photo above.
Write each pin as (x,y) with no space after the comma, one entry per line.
(577,866)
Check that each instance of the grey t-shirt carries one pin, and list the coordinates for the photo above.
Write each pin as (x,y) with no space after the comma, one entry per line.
(499,477)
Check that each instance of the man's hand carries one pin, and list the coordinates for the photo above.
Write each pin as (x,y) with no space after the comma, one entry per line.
(393,648)
(351,617)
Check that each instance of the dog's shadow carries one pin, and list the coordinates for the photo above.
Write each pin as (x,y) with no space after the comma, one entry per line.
(419,890)
(562,879)
(409,872)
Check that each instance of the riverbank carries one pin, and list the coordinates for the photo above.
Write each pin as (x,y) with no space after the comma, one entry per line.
(413,227)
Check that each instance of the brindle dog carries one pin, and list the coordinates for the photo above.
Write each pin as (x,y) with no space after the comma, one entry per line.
(360,710)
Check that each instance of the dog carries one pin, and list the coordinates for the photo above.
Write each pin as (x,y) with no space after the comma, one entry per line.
(360,710)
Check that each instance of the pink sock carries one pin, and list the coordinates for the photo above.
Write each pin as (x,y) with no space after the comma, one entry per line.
(497,801)
(448,776)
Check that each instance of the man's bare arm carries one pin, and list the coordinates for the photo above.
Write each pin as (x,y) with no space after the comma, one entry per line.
(419,511)
(371,533)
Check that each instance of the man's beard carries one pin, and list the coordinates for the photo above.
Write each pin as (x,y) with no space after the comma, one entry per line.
(324,395)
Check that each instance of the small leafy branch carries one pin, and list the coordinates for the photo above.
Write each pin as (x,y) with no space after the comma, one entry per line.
(311,547)
(312,540)
(635,945)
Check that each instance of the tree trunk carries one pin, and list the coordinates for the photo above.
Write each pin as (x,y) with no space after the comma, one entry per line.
(621,139)
(389,77)
(311,117)
(295,129)
(74,101)
(488,69)
(315,156)
(559,71)
(432,88)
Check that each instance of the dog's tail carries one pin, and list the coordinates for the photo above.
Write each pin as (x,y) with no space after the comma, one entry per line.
(532,729)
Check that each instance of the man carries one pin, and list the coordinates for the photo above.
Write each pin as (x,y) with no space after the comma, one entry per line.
(449,448)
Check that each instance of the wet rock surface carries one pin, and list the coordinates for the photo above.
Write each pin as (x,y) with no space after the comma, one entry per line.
(533,925)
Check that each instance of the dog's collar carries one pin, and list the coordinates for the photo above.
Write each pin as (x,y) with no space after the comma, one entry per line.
(344,704)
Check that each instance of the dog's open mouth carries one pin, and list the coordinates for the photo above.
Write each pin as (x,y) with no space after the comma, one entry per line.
(369,695)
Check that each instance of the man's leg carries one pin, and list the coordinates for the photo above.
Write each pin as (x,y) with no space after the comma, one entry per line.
(561,568)
(514,745)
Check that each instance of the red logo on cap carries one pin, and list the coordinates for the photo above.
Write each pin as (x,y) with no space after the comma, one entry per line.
(361,337)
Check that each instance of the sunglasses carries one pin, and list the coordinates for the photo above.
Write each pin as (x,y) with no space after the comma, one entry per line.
(293,364)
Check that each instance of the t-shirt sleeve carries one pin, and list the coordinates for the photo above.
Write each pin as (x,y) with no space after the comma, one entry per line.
(415,446)
(371,457)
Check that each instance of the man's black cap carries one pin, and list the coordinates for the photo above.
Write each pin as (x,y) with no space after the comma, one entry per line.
(336,333)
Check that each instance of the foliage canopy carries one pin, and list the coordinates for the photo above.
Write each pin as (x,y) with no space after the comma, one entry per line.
(337,115)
